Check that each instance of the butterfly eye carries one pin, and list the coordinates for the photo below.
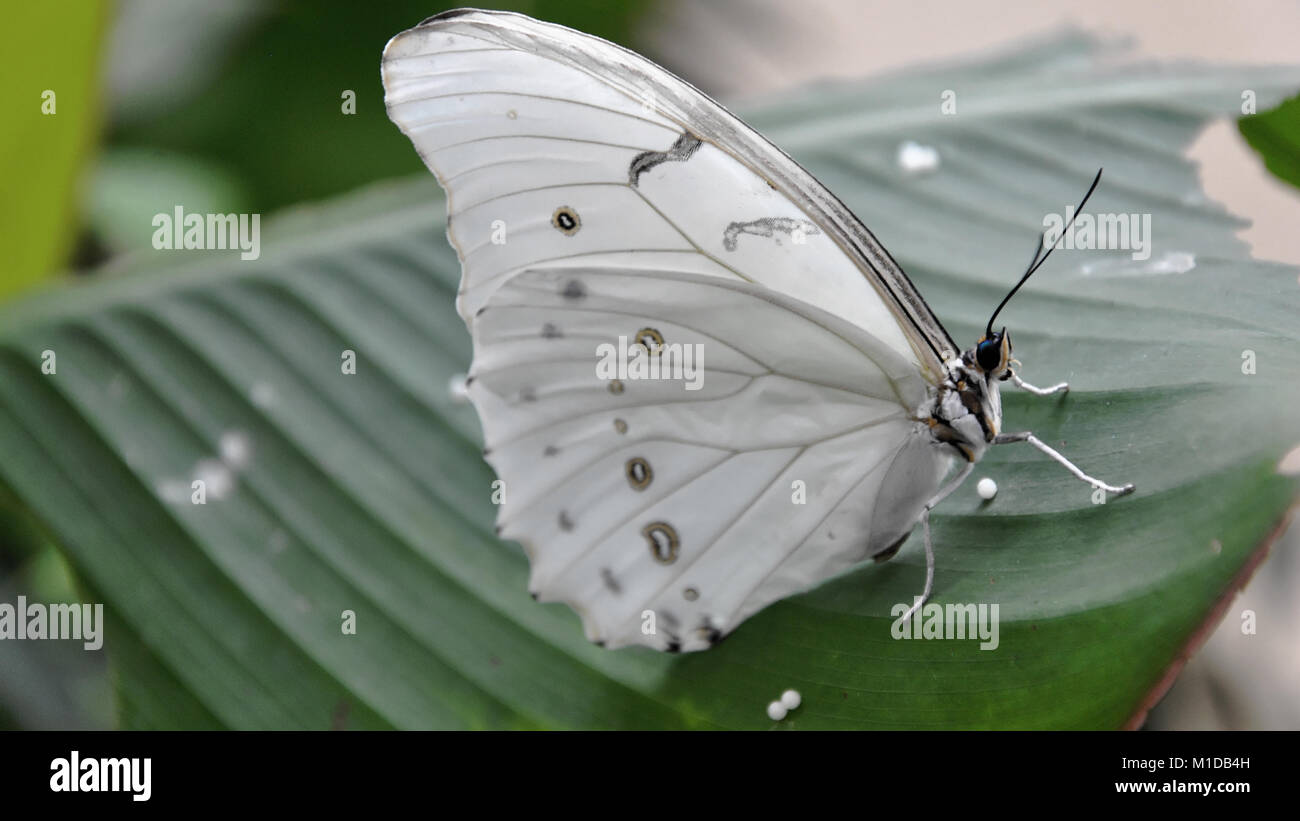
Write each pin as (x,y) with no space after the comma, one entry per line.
(989,354)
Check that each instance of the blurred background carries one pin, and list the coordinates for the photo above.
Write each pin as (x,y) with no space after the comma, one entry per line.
(234,107)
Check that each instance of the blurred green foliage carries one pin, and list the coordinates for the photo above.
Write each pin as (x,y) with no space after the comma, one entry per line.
(1275,134)
(50,96)
(290,69)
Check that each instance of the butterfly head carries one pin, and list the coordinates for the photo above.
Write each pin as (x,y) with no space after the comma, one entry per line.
(993,355)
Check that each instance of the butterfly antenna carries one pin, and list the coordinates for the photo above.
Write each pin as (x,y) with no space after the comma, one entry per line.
(1037,261)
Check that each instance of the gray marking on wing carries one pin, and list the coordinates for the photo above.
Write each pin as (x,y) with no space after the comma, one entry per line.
(610,582)
(766,227)
(574,290)
(686,145)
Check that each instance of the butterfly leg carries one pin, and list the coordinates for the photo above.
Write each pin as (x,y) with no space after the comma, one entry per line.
(1064,387)
(1008,438)
(925,531)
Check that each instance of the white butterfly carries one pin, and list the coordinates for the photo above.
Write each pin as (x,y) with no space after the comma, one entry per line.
(593,196)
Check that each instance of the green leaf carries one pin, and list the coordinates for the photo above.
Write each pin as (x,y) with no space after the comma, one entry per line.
(366,492)
(50,95)
(1275,134)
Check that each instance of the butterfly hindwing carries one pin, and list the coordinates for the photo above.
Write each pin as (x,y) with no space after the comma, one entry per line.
(697,505)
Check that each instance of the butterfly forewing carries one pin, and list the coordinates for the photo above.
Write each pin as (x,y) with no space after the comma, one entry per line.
(521,119)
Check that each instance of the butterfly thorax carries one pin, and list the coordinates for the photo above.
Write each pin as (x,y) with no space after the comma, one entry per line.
(966,410)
